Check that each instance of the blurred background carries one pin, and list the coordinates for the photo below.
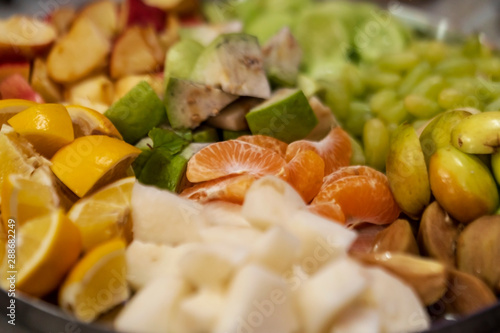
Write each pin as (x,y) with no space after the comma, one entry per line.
(457,15)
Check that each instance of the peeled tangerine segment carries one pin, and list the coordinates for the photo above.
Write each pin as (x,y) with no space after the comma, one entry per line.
(478,133)
(286,116)
(406,169)
(47,127)
(462,184)
(93,161)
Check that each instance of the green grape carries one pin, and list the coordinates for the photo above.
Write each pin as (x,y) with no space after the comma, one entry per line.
(337,96)
(396,114)
(432,51)
(358,155)
(376,79)
(493,106)
(376,143)
(489,67)
(383,100)
(430,87)
(352,78)
(450,98)
(399,62)
(414,76)
(459,66)
(359,113)
(421,107)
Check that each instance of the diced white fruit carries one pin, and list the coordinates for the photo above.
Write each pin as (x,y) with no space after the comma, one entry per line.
(147,262)
(206,33)
(223,213)
(270,201)
(258,301)
(276,249)
(321,298)
(357,318)
(244,237)
(233,62)
(125,84)
(62,18)
(398,306)
(104,14)
(162,217)
(321,240)
(282,57)
(95,89)
(199,312)
(79,53)
(211,265)
(41,82)
(153,308)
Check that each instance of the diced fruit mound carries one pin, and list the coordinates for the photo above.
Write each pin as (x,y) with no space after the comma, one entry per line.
(299,166)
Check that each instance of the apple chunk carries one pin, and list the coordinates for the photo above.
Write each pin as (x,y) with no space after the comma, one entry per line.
(105,16)
(137,51)
(62,18)
(43,84)
(24,38)
(82,51)
(91,91)
(16,87)
(9,68)
(136,12)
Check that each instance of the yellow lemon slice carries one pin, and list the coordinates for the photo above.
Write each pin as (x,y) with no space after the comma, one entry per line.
(16,155)
(90,122)
(47,126)
(97,283)
(11,107)
(105,214)
(46,249)
(90,162)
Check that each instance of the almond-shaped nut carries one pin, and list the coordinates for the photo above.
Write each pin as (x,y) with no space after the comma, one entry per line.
(427,277)
(437,234)
(398,237)
(478,250)
(466,294)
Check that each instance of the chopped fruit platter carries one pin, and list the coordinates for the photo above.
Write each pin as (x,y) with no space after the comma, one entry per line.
(248,166)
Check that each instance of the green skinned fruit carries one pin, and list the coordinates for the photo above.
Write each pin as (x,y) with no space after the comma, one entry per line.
(407,172)
(437,133)
(478,134)
(462,184)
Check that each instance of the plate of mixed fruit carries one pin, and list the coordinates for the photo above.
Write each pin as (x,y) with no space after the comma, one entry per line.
(247,166)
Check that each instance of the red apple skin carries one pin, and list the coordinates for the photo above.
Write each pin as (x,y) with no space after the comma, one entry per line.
(9,68)
(136,12)
(16,87)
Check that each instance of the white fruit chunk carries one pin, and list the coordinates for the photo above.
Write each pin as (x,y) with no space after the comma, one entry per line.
(258,301)
(206,33)
(244,237)
(357,318)
(211,265)
(90,91)
(270,201)
(104,14)
(276,250)
(79,53)
(321,240)
(224,214)
(199,312)
(162,217)
(399,307)
(147,262)
(329,291)
(153,308)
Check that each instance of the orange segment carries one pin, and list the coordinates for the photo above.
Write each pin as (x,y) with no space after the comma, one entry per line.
(90,122)
(93,161)
(11,107)
(305,173)
(362,199)
(232,158)
(47,127)
(330,210)
(229,188)
(354,170)
(334,149)
(268,142)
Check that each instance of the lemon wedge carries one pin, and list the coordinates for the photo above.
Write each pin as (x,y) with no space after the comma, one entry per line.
(105,214)
(46,249)
(87,121)
(97,283)
(47,126)
(11,107)
(90,162)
